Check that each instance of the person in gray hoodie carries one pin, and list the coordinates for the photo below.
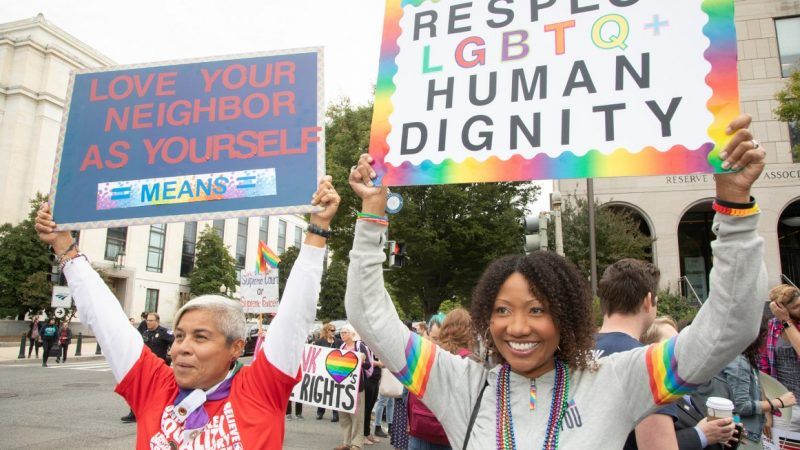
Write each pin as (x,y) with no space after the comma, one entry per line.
(534,314)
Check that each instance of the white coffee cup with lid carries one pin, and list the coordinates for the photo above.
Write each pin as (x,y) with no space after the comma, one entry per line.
(719,408)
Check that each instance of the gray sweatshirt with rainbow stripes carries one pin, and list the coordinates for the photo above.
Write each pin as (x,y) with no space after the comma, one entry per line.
(604,404)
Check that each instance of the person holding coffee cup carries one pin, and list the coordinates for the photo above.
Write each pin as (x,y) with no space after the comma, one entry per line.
(693,430)
(742,377)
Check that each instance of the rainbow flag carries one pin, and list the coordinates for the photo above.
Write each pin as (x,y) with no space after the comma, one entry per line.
(266,258)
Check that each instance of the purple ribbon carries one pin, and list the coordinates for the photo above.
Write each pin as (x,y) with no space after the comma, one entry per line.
(199,418)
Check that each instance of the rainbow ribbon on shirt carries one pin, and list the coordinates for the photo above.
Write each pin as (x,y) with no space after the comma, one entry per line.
(662,368)
(420,355)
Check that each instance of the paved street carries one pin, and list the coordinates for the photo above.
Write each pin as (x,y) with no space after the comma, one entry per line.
(73,406)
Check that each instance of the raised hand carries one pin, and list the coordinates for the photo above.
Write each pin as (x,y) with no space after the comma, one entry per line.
(46,230)
(745,157)
(327,197)
(361,181)
(779,311)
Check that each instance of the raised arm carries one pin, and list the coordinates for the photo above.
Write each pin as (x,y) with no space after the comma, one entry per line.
(369,307)
(283,345)
(98,308)
(729,320)
(446,383)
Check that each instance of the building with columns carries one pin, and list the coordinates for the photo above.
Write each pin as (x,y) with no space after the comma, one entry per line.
(148,264)
(677,209)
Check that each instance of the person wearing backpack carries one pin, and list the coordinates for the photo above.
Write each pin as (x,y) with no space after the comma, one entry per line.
(353,424)
(454,335)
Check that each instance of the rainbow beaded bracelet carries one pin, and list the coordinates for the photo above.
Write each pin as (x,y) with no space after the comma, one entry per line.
(374,218)
(736,209)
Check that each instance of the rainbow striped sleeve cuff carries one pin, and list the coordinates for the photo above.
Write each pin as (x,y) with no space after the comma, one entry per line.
(662,369)
(420,354)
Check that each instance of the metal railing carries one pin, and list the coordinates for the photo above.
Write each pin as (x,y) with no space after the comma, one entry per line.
(786,279)
(688,291)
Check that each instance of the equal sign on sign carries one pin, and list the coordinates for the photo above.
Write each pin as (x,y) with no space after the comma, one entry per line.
(186,188)
(121,193)
(246,182)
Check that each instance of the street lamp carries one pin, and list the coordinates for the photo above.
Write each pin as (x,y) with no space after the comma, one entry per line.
(555,205)
(119,261)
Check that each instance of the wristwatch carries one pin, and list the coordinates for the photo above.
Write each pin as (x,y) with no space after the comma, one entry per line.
(787,324)
(314,229)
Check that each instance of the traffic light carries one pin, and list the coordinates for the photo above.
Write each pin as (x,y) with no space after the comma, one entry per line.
(55,274)
(535,233)
(397,254)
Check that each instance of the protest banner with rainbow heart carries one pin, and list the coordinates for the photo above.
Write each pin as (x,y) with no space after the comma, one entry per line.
(330,378)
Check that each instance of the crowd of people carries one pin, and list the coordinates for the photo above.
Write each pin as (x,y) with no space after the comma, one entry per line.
(47,335)
(526,364)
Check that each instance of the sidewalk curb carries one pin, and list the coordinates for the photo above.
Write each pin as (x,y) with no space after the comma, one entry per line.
(86,358)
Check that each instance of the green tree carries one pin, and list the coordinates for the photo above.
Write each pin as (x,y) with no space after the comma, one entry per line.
(214,266)
(452,232)
(331,297)
(449,305)
(346,137)
(676,306)
(36,293)
(22,255)
(617,235)
(788,109)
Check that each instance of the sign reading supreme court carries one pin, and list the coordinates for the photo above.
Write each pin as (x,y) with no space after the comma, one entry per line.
(503,90)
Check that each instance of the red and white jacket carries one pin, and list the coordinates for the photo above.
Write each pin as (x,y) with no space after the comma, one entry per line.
(252,416)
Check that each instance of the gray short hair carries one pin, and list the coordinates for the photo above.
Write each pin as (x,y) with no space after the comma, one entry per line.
(349,328)
(229,315)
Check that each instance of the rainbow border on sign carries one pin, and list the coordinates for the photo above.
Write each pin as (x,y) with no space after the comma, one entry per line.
(723,104)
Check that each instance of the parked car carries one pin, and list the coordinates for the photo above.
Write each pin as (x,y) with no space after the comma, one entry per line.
(313,333)
(252,337)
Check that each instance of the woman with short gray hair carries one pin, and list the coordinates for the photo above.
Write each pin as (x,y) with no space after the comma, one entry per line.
(207,399)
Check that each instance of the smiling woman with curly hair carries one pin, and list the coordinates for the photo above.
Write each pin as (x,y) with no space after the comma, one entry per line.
(549,277)
(535,312)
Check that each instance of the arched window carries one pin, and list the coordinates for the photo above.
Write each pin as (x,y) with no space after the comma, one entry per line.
(694,246)
(789,241)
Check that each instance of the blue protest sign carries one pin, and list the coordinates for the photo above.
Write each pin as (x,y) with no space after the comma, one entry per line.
(192,140)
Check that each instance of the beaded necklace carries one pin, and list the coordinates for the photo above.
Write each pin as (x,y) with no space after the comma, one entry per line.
(558,406)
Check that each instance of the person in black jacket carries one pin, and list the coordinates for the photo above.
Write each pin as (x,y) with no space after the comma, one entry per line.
(143,324)
(49,335)
(156,337)
(33,336)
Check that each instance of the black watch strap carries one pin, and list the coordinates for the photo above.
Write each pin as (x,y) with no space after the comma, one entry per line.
(314,229)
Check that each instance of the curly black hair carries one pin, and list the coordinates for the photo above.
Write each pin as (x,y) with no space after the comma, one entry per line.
(558,284)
